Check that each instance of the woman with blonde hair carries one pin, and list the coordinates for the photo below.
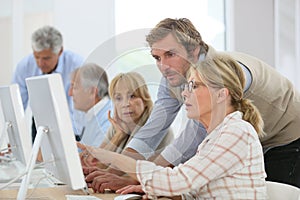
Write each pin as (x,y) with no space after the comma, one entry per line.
(229,162)
(132,107)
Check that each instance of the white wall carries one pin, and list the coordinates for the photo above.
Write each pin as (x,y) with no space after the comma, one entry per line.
(252,28)
(269,30)
(84,24)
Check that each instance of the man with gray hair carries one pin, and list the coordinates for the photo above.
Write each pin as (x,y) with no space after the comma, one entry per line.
(48,57)
(89,89)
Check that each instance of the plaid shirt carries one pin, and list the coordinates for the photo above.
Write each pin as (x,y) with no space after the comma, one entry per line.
(228,165)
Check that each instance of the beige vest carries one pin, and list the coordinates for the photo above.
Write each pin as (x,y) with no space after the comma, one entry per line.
(274,96)
(277,100)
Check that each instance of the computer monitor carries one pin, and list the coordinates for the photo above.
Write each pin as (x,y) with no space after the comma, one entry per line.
(15,123)
(54,130)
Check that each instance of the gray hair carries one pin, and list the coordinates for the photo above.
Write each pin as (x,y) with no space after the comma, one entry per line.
(47,37)
(92,75)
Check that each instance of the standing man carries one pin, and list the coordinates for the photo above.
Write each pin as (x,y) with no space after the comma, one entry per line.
(89,89)
(48,57)
(175,44)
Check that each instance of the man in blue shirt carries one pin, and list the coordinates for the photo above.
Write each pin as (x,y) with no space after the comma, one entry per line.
(48,57)
(89,89)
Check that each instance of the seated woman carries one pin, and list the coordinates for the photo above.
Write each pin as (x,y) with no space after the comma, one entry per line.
(229,162)
(132,107)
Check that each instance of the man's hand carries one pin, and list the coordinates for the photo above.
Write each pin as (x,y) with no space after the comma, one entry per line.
(101,180)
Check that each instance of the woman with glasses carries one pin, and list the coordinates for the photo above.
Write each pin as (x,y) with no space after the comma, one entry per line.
(229,162)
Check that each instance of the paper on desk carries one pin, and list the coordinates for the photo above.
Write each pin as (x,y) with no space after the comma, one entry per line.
(81,197)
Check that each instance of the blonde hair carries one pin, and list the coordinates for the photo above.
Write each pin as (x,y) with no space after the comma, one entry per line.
(222,71)
(137,84)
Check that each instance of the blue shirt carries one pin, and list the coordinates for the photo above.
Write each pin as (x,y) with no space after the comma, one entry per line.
(27,67)
(97,123)
(165,109)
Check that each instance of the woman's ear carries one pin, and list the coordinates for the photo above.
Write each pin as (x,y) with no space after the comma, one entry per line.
(222,95)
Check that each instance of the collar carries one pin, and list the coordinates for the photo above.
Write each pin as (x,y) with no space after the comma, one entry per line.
(59,67)
(93,111)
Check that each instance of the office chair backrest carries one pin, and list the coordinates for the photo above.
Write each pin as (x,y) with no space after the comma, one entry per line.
(280,191)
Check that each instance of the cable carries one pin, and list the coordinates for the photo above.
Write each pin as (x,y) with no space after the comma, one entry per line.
(12,181)
(35,187)
(22,174)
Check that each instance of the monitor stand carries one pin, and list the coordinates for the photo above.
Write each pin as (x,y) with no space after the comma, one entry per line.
(41,131)
(35,149)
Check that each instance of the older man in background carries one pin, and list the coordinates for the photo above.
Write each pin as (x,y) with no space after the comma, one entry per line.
(48,57)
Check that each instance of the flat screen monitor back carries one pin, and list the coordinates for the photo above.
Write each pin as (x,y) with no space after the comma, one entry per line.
(50,110)
(14,117)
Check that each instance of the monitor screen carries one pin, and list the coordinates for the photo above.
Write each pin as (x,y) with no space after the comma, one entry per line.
(15,123)
(50,110)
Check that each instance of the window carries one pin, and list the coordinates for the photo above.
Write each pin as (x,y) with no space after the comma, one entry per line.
(133,23)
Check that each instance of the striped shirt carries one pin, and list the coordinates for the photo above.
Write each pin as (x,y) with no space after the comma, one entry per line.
(228,165)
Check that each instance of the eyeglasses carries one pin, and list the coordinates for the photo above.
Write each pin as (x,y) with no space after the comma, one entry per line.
(192,85)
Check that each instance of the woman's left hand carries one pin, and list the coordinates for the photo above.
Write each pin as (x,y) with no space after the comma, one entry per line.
(117,123)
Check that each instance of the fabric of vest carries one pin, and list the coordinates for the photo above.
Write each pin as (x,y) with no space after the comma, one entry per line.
(276,99)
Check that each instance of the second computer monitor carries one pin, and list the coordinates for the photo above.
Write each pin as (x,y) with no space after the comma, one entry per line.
(15,123)
(50,110)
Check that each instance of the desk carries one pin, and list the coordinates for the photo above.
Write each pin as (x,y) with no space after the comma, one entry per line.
(45,190)
(53,193)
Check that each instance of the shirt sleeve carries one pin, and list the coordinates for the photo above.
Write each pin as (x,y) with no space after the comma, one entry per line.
(147,139)
(24,69)
(215,158)
(185,145)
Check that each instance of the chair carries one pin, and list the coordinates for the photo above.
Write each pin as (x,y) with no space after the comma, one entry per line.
(281,191)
